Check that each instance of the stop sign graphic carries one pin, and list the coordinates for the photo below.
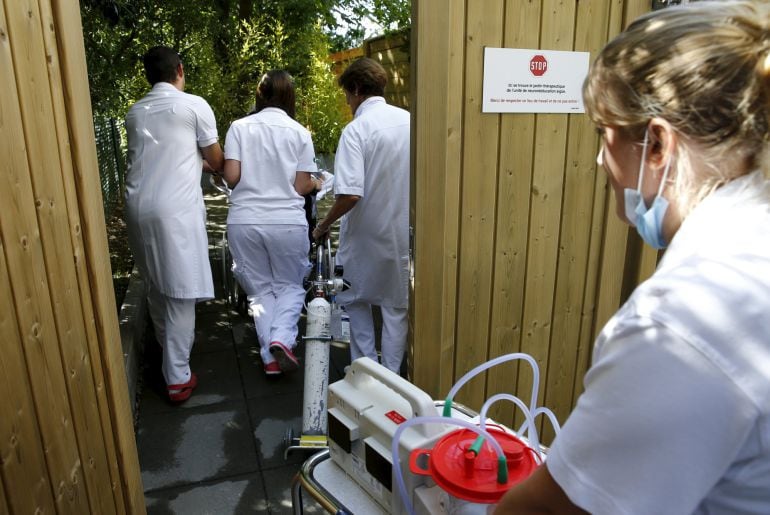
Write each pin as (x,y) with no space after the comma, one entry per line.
(538,65)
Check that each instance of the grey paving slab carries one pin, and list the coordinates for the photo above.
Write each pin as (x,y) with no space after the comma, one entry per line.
(199,444)
(218,381)
(257,384)
(212,331)
(239,495)
(271,417)
(211,306)
(243,330)
(278,486)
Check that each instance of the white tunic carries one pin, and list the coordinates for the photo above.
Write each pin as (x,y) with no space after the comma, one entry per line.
(165,213)
(675,418)
(271,148)
(372,161)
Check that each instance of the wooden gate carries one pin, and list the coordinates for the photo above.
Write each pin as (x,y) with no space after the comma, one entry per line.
(516,244)
(66,434)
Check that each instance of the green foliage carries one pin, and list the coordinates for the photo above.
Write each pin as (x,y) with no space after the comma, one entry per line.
(225,46)
(320,102)
(389,15)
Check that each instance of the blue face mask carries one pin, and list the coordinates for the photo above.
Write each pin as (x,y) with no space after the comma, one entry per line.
(648,221)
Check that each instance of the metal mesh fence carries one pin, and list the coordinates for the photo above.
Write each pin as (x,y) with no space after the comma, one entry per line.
(112,161)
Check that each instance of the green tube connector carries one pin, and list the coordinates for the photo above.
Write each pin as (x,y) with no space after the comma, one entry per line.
(447,407)
(502,470)
(477,443)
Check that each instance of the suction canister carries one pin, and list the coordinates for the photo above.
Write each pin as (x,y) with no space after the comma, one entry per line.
(466,469)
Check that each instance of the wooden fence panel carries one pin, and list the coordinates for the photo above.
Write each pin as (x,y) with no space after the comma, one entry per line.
(24,253)
(540,260)
(63,380)
(49,163)
(575,274)
(517,135)
(556,33)
(23,473)
(393,53)
(427,201)
(438,177)
(99,415)
(478,202)
(95,276)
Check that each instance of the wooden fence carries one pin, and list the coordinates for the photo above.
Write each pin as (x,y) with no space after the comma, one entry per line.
(517,247)
(66,433)
(393,53)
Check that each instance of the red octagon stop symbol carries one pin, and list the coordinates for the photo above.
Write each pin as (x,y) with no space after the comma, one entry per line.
(538,65)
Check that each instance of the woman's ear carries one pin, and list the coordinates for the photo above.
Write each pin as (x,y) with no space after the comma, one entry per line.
(662,145)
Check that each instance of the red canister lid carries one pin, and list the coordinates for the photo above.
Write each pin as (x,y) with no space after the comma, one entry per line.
(465,475)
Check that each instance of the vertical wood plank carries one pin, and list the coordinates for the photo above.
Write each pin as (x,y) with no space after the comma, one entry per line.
(49,163)
(648,256)
(573,272)
(517,140)
(101,462)
(479,194)
(547,182)
(616,237)
(602,199)
(26,267)
(4,507)
(81,132)
(429,121)
(23,473)
(453,159)
(437,170)
(555,263)
(616,233)
(613,257)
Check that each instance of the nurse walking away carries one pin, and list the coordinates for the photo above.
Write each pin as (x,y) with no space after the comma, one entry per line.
(169,134)
(675,416)
(269,158)
(371,186)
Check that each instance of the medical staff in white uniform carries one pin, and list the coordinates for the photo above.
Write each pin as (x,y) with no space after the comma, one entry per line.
(269,159)
(675,417)
(169,134)
(371,187)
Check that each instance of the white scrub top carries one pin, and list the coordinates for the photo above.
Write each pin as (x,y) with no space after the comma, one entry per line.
(675,417)
(372,161)
(165,213)
(271,148)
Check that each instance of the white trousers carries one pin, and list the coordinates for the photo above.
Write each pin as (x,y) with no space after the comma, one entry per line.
(269,262)
(395,325)
(174,322)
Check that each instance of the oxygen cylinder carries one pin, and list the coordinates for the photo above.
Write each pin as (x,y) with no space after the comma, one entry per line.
(317,338)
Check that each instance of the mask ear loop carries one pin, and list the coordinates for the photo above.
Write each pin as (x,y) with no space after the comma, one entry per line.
(644,159)
(665,174)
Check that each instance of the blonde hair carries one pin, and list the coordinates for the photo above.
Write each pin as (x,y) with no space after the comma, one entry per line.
(705,68)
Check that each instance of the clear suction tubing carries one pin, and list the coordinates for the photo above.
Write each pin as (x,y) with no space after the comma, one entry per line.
(460,463)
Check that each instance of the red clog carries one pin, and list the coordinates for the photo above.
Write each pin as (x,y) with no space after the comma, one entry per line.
(284,356)
(182,392)
(272,369)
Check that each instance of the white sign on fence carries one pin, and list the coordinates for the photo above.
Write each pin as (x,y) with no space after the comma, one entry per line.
(533,81)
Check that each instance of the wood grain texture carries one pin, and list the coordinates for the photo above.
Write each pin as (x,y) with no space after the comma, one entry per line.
(22,456)
(484,27)
(101,462)
(77,102)
(551,133)
(533,257)
(517,143)
(25,253)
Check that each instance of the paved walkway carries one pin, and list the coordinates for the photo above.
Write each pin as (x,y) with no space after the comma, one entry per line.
(222,451)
